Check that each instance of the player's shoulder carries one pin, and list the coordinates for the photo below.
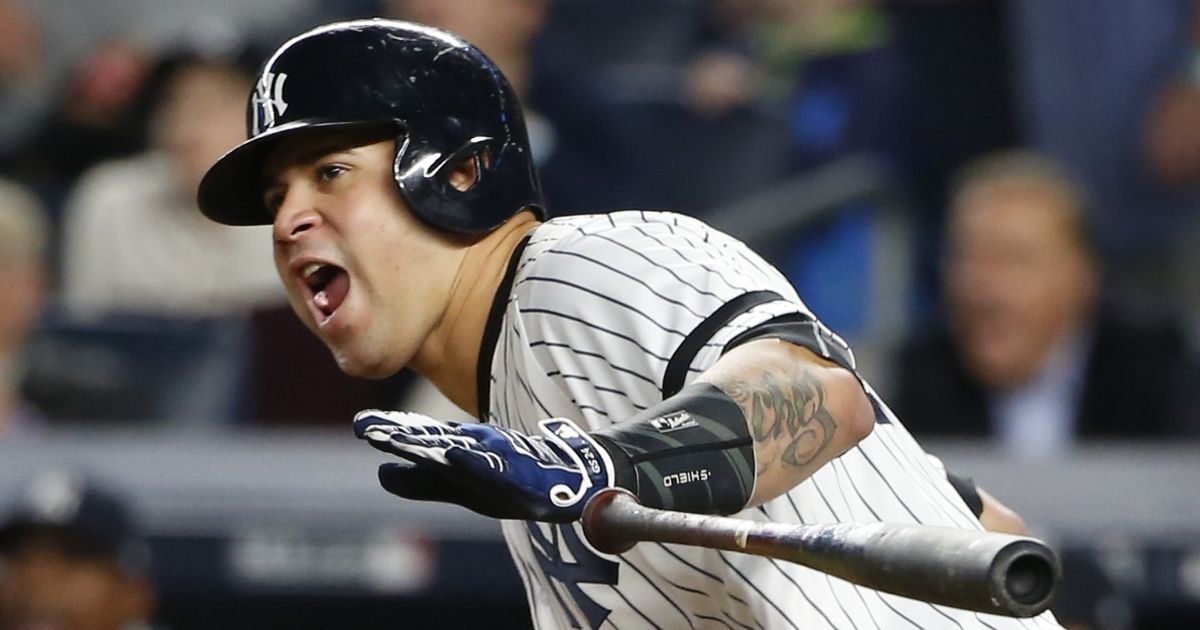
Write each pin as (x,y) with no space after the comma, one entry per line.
(582,225)
(657,251)
(628,230)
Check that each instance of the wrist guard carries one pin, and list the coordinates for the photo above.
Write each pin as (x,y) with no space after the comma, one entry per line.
(692,453)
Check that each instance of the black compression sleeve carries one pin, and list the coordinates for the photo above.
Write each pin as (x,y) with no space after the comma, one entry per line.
(692,452)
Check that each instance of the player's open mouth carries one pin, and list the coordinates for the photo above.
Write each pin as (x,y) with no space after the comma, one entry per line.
(329,285)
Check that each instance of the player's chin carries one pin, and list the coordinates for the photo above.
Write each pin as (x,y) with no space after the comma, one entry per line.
(364,362)
(359,369)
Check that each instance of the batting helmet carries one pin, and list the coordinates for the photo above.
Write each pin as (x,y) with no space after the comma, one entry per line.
(446,101)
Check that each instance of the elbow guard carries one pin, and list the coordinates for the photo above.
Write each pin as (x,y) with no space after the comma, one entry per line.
(692,452)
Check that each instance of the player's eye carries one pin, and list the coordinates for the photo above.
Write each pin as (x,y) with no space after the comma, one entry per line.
(273,199)
(330,172)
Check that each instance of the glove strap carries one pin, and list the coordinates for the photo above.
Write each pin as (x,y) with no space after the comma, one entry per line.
(590,457)
(692,452)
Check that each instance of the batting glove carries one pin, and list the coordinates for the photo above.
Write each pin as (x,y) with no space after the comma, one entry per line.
(491,470)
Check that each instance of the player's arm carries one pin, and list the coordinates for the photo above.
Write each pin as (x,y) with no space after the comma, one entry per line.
(762,418)
(802,410)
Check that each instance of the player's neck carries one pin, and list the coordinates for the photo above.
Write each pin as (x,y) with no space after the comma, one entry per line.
(451,359)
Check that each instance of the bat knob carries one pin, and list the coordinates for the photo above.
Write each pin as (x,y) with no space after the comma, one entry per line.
(598,519)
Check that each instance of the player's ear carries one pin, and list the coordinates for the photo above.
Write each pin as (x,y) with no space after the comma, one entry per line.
(468,170)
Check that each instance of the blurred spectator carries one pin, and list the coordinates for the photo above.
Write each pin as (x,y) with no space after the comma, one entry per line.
(831,63)
(73,557)
(1130,131)
(98,117)
(132,241)
(155,307)
(23,276)
(1172,150)
(20,42)
(87,97)
(771,90)
(831,75)
(23,77)
(963,105)
(1032,356)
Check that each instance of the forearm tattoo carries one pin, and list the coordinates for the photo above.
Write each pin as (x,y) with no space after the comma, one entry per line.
(787,415)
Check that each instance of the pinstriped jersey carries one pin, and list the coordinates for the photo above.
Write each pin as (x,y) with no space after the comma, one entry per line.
(597,314)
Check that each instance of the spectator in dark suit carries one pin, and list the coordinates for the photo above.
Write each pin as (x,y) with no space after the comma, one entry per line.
(1031,356)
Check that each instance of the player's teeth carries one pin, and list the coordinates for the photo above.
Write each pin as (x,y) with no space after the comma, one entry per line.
(311,268)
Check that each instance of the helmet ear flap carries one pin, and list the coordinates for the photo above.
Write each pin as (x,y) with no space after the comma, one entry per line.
(463,169)
(445,181)
(458,171)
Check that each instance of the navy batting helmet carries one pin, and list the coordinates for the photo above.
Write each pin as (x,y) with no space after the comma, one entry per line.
(446,101)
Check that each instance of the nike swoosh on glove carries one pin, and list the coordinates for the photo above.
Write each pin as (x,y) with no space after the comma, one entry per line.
(491,470)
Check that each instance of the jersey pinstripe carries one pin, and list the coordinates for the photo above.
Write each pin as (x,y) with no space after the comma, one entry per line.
(598,307)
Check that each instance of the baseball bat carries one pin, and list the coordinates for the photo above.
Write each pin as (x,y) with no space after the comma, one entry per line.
(969,569)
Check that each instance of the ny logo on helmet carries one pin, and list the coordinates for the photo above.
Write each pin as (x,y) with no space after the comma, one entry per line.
(268,100)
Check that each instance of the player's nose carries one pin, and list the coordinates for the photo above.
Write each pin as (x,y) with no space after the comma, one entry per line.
(296,216)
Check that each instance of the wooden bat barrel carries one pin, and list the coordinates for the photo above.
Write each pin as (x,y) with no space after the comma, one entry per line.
(969,569)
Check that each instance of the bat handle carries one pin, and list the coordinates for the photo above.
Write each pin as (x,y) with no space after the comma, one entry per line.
(610,540)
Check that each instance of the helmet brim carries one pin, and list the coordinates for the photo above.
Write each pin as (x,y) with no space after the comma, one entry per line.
(231,191)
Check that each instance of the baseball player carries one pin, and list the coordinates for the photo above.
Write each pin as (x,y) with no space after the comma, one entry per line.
(636,349)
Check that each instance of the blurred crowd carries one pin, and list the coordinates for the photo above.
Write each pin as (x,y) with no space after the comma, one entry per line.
(829,122)
(1026,174)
